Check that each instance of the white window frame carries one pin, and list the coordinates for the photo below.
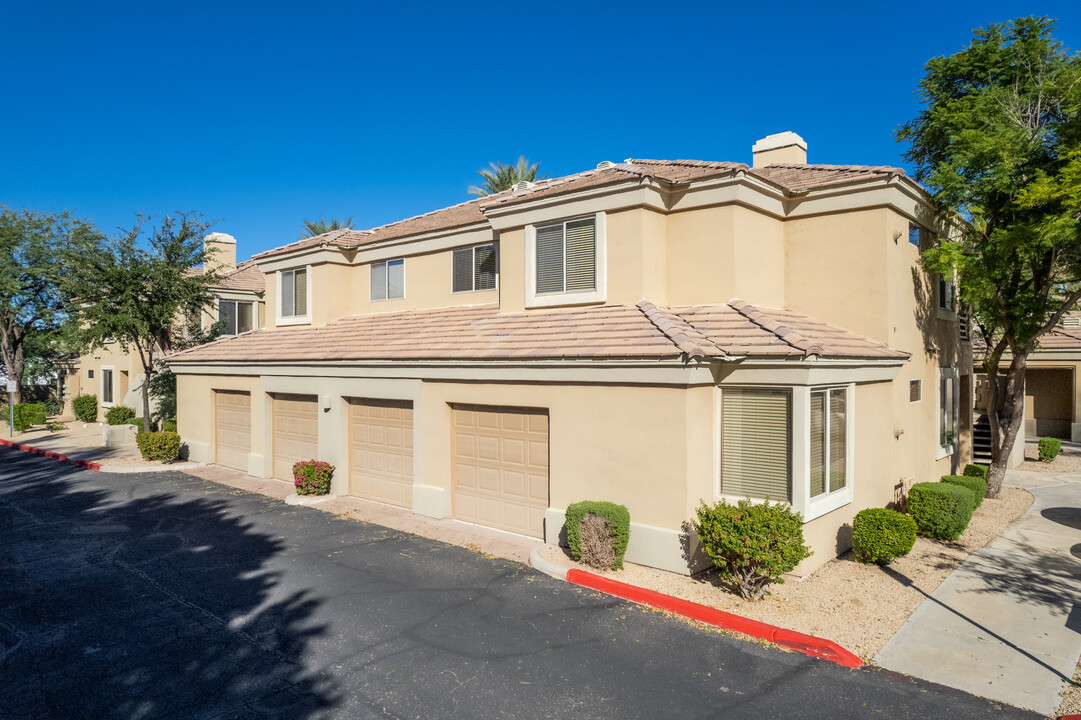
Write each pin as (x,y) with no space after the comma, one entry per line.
(112,382)
(944,450)
(386,263)
(294,319)
(800,439)
(254,313)
(473,253)
(598,294)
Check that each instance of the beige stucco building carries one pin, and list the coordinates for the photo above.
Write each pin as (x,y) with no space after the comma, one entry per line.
(115,375)
(654,333)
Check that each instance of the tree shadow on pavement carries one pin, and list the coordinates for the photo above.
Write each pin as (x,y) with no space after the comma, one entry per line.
(143,604)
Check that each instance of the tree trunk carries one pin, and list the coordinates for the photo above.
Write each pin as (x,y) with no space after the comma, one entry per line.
(12,346)
(1006,416)
(148,367)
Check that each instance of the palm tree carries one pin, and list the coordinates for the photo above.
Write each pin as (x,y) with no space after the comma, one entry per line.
(311,228)
(503,177)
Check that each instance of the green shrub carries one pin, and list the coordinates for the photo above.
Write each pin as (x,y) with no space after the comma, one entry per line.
(941,511)
(1049,448)
(85,408)
(27,415)
(164,446)
(55,425)
(169,424)
(973,470)
(977,485)
(119,415)
(52,407)
(312,477)
(616,516)
(881,534)
(752,544)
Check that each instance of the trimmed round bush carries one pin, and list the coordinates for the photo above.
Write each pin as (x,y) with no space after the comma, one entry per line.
(942,511)
(1049,448)
(977,485)
(617,517)
(119,415)
(881,534)
(312,477)
(973,470)
(163,446)
(752,544)
(85,408)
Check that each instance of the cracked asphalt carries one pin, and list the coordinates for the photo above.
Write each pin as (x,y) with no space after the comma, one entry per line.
(166,596)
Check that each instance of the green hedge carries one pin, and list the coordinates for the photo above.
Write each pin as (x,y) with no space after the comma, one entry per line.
(85,408)
(941,511)
(752,544)
(164,446)
(168,424)
(119,415)
(28,414)
(977,485)
(1049,448)
(619,526)
(881,534)
(979,471)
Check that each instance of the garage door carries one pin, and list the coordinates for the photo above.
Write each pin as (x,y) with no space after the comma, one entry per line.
(381,450)
(501,467)
(296,435)
(232,434)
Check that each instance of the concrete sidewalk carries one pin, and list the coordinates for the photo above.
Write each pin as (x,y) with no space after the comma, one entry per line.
(1007,623)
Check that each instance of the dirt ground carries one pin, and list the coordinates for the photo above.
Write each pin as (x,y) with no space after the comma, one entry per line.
(858,606)
(1069,460)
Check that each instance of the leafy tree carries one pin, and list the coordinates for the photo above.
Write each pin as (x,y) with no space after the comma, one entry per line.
(499,177)
(311,228)
(998,143)
(34,248)
(137,293)
(163,382)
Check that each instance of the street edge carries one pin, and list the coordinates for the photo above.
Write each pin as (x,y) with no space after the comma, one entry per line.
(806,644)
(84,464)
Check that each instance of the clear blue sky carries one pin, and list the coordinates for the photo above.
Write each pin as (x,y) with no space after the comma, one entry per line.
(264,113)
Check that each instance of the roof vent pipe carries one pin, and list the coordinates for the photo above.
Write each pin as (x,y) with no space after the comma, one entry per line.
(605,164)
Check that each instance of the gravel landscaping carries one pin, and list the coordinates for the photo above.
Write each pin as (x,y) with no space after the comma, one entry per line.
(859,607)
(1068,461)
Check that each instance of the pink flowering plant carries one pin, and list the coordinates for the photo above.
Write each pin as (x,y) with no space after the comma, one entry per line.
(752,544)
(312,477)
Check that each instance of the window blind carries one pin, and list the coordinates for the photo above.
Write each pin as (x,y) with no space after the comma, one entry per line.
(838,439)
(485,267)
(755,448)
(818,443)
(300,290)
(550,259)
(395,279)
(244,317)
(581,256)
(287,309)
(463,270)
(227,312)
(379,281)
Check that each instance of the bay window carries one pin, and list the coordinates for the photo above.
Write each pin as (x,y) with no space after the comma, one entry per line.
(829,441)
(756,457)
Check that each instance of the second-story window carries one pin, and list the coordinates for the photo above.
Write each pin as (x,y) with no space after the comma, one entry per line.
(566,257)
(294,301)
(915,233)
(388,280)
(238,316)
(474,268)
(947,294)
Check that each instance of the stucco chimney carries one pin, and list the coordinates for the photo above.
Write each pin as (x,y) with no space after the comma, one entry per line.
(224,250)
(785,148)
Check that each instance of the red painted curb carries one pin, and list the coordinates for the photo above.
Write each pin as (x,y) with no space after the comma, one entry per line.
(1070,717)
(85,464)
(806,644)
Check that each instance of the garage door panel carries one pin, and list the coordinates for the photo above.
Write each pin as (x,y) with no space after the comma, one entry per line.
(296,432)
(381,450)
(232,428)
(501,468)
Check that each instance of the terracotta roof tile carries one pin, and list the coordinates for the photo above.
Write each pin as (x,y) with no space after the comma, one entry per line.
(607,331)
(246,276)
(800,178)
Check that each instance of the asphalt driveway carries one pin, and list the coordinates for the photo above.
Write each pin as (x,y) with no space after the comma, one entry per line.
(166,596)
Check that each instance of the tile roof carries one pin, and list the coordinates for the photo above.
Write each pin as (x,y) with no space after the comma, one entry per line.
(794,178)
(246,276)
(481,332)
(800,178)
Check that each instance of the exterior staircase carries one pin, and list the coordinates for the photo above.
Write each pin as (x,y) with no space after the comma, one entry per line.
(981,440)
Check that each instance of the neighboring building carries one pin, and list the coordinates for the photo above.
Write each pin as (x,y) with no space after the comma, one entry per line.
(1052,399)
(649,332)
(115,375)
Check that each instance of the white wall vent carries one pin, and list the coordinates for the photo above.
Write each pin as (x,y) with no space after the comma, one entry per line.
(524,185)
(605,164)
(1071,321)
